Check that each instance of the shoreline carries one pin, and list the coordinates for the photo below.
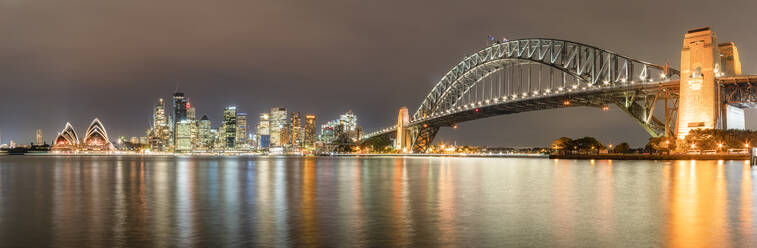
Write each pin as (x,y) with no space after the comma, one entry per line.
(654,156)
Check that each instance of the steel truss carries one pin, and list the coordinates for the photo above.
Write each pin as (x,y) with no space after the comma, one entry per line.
(592,66)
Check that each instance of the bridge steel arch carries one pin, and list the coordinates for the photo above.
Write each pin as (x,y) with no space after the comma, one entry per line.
(597,77)
(594,66)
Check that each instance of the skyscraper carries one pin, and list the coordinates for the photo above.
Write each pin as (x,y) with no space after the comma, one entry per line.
(309,132)
(241,132)
(179,112)
(159,135)
(38,140)
(278,126)
(263,131)
(230,126)
(349,120)
(203,130)
(296,134)
(183,136)
(193,128)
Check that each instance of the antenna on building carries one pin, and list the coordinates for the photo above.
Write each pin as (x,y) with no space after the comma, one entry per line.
(177,87)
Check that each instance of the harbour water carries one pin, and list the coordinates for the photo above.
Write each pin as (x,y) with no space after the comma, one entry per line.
(374,202)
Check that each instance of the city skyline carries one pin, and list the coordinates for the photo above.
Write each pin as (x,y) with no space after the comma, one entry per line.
(247,68)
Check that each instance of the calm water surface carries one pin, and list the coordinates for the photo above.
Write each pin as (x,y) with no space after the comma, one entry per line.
(337,202)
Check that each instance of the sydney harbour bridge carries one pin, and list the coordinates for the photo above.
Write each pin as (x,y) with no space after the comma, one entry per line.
(535,74)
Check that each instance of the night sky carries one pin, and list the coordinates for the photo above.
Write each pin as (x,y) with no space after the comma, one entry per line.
(75,60)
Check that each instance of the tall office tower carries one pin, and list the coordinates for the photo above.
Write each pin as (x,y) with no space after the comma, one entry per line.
(159,134)
(349,120)
(286,134)
(159,115)
(241,132)
(203,131)
(179,112)
(296,134)
(328,134)
(38,140)
(309,132)
(183,138)
(230,126)
(278,124)
(191,111)
(263,131)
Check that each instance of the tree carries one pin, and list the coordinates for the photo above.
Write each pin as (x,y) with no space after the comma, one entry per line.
(562,145)
(660,144)
(587,144)
(622,148)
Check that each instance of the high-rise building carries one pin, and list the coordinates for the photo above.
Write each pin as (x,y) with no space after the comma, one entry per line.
(309,131)
(296,134)
(38,139)
(179,112)
(263,131)
(203,130)
(183,136)
(191,111)
(159,135)
(328,134)
(349,120)
(278,126)
(241,132)
(230,126)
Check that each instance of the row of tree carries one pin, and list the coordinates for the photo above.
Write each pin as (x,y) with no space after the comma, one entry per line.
(705,139)
(586,145)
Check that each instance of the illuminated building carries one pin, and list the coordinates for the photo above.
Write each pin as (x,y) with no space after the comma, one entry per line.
(296,134)
(328,130)
(179,112)
(349,120)
(263,131)
(159,135)
(67,139)
(183,136)
(96,138)
(38,139)
(309,132)
(278,124)
(230,126)
(241,131)
(203,130)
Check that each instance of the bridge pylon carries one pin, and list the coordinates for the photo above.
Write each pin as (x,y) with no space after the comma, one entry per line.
(703,59)
(403,141)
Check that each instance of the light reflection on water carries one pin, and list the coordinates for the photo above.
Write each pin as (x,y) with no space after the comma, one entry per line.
(132,201)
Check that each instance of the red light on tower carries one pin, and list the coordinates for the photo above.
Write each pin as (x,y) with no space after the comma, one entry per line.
(189,105)
(477,110)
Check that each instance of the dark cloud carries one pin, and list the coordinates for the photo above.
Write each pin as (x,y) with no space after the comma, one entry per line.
(74,60)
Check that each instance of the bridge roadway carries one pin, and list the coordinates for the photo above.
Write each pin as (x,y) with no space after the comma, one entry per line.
(594,97)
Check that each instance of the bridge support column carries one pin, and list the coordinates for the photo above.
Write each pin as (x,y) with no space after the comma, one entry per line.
(423,135)
(403,141)
(699,101)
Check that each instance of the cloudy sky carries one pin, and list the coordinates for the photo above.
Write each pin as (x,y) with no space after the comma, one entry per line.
(75,60)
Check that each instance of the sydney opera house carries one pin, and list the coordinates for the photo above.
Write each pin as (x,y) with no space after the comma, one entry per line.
(95,139)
